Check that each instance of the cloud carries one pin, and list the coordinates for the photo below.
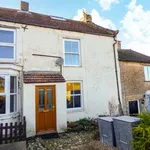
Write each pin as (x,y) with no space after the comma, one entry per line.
(106,4)
(135,31)
(96,18)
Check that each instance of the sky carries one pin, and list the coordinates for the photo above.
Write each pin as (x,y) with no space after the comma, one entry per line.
(130,17)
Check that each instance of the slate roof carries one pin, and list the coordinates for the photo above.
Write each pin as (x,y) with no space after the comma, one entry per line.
(132,56)
(42,77)
(41,20)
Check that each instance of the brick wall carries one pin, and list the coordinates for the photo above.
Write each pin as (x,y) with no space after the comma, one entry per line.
(133,82)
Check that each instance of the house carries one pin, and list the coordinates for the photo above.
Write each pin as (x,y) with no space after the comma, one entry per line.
(37,84)
(135,77)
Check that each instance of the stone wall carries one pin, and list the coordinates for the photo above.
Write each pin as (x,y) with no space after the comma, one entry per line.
(133,82)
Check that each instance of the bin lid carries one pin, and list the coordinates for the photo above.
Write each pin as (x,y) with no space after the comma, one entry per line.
(109,119)
(127,118)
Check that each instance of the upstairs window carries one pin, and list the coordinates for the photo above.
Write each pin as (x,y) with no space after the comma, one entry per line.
(147,73)
(72,52)
(7,44)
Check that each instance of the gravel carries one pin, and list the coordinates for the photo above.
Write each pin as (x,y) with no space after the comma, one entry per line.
(68,141)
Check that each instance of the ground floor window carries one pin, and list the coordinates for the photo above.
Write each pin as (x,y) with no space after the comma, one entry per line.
(73,97)
(8,94)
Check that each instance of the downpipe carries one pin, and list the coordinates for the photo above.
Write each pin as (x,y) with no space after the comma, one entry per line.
(120,110)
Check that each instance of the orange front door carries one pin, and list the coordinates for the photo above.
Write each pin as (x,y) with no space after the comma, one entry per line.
(45,109)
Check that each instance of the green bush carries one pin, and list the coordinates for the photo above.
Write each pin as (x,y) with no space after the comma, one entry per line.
(141,133)
(83,124)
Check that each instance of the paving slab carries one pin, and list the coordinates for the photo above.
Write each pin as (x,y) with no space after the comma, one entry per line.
(14,146)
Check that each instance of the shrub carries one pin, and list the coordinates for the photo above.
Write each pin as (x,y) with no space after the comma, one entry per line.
(82,124)
(141,133)
(85,123)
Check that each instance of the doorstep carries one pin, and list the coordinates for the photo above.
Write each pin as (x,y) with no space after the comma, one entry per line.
(48,134)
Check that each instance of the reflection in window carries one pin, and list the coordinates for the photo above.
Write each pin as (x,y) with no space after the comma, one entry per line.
(71,49)
(2,84)
(2,104)
(13,84)
(73,95)
(49,98)
(41,99)
(7,44)
(13,103)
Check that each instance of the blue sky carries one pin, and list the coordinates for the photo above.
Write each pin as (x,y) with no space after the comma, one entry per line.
(131,17)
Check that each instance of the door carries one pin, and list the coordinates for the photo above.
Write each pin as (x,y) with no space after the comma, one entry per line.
(45,109)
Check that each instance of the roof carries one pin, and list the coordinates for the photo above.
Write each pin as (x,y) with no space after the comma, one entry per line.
(41,20)
(132,56)
(42,77)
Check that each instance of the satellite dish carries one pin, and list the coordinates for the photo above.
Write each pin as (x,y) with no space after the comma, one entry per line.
(59,61)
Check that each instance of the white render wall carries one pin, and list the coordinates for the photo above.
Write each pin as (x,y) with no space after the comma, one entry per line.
(97,71)
(29,107)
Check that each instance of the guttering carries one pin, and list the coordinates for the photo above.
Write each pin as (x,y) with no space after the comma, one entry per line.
(116,72)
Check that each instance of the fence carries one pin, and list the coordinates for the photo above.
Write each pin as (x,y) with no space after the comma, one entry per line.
(13,132)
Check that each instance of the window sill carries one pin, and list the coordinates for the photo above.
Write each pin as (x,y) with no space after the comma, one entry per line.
(9,116)
(71,110)
(146,80)
(73,66)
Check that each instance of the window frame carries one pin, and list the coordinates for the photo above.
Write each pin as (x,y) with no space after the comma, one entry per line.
(9,44)
(81,95)
(7,94)
(147,73)
(79,53)
(138,103)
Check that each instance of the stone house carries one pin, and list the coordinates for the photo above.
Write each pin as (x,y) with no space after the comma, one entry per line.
(135,77)
(54,70)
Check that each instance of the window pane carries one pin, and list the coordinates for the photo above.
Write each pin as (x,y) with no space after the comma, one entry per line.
(13,103)
(6,52)
(2,84)
(69,101)
(77,88)
(2,104)
(49,98)
(75,59)
(13,84)
(6,36)
(69,88)
(77,101)
(67,46)
(67,59)
(74,46)
(41,99)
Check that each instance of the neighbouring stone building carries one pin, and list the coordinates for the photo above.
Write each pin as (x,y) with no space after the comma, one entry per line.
(135,78)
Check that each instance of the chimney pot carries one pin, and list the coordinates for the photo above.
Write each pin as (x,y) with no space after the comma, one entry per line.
(118,44)
(24,6)
(87,18)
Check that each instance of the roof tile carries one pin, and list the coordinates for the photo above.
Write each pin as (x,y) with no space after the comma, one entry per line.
(30,77)
(132,56)
(35,19)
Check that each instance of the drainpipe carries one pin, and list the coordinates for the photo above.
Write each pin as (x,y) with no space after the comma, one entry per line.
(116,72)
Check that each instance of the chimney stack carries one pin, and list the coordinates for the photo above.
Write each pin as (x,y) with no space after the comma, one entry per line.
(24,6)
(87,18)
(118,44)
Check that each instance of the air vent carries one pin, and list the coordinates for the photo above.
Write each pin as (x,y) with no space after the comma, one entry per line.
(58,18)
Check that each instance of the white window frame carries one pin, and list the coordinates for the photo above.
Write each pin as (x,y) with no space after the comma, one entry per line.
(71,52)
(81,95)
(139,111)
(147,73)
(9,44)
(7,94)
